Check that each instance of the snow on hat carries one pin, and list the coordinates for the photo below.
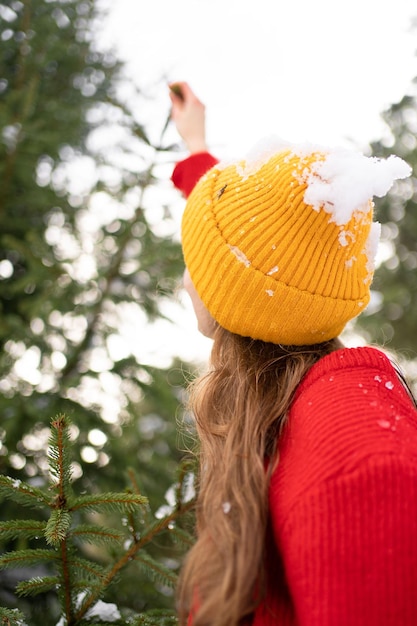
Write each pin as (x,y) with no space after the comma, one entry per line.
(281,246)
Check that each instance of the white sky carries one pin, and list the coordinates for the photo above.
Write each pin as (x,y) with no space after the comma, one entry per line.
(319,71)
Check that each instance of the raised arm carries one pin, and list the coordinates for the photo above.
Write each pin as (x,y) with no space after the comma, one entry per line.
(189,115)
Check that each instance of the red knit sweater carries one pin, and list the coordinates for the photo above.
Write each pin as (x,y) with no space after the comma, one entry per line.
(342,544)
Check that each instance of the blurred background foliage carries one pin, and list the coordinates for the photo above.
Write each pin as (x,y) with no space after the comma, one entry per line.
(88,248)
(392,321)
(85,248)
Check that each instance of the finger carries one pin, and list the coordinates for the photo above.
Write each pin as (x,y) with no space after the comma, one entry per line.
(183,91)
(176,91)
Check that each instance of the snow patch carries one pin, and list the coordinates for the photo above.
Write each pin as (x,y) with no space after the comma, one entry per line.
(103,610)
(226,506)
(371,248)
(260,154)
(343,182)
(240,255)
(349,263)
(188,488)
(340,181)
(384,424)
(344,237)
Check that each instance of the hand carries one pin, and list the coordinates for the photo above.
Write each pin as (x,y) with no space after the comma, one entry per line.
(189,115)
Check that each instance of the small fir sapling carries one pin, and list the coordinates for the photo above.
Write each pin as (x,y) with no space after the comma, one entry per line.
(81,582)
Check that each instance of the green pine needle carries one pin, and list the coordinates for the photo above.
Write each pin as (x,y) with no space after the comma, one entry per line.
(26,558)
(57,527)
(22,493)
(97,534)
(84,585)
(158,617)
(156,570)
(181,537)
(82,567)
(59,452)
(37,585)
(124,502)
(11,617)
(23,529)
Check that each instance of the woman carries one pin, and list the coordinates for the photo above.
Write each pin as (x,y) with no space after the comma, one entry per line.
(307,505)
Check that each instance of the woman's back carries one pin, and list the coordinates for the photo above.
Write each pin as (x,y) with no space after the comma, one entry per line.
(343,499)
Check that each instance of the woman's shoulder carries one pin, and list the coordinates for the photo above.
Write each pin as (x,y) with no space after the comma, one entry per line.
(351,408)
(350,377)
(352,392)
(348,362)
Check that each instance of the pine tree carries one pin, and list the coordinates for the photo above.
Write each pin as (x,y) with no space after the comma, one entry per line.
(81,582)
(394,323)
(80,257)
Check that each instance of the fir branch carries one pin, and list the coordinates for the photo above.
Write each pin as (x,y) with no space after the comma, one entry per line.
(96,534)
(24,529)
(109,502)
(86,583)
(130,554)
(57,527)
(22,493)
(11,617)
(182,537)
(132,477)
(65,591)
(156,570)
(132,516)
(156,528)
(157,617)
(59,457)
(60,519)
(159,525)
(37,585)
(89,568)
(26,558)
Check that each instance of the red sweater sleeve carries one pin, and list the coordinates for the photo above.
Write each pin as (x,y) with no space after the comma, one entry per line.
(344,497)
(350,548)
(188,172)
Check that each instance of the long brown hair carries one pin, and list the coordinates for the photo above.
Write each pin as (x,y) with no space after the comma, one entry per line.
(240,407)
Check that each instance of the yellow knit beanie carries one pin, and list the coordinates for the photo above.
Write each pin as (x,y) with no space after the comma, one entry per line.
(280,246)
